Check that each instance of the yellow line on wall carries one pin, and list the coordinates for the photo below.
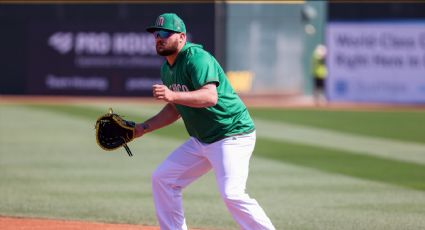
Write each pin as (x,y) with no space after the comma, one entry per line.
(265,2)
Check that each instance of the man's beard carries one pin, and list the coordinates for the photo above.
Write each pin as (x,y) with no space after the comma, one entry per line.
(167,50)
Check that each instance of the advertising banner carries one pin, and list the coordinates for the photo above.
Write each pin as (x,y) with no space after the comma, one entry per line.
(113,59)
(376,62)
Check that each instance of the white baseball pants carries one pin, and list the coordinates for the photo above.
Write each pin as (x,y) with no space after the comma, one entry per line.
(229,158)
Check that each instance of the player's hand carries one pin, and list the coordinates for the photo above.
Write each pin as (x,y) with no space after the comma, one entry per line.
(162,92)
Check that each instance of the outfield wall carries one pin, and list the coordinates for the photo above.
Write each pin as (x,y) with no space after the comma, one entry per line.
(102,49)
(89,49)
(376,53)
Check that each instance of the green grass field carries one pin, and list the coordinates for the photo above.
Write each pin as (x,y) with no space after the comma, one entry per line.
(312,169)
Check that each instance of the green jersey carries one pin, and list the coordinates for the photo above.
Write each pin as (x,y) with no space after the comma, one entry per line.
(193,68)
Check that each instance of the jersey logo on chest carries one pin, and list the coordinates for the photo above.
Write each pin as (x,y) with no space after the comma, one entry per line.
(179,88)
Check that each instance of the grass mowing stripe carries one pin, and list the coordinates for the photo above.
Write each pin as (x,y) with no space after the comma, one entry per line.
(361,166)
(175,130)
(54,169)
(307,198)
(398,125)
(381,147)
(142,109)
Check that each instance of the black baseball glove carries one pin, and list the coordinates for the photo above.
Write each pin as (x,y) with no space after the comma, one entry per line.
(112,132)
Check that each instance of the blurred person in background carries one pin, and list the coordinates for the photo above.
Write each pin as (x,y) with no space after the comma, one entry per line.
(319,72)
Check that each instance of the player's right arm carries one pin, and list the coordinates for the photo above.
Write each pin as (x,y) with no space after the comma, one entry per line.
(166,116)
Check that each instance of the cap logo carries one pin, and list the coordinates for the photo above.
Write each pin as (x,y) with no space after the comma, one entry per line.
(160,21)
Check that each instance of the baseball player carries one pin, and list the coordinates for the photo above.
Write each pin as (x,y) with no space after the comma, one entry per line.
(222,133)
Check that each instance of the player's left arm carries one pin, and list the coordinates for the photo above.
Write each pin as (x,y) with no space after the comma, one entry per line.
(206,96)
(166,116)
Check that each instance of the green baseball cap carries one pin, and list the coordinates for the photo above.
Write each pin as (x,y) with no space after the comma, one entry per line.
(168,21)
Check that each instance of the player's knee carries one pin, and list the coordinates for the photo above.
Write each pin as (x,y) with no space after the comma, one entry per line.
(162,180)
(234,196)
(157,177)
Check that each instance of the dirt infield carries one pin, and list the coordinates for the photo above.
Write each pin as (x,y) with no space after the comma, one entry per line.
(262,101)
(14,223)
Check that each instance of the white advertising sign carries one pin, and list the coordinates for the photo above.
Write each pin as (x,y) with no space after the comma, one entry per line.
(376,62)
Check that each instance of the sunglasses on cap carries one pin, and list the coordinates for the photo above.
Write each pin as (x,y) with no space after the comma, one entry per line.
(163,33)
